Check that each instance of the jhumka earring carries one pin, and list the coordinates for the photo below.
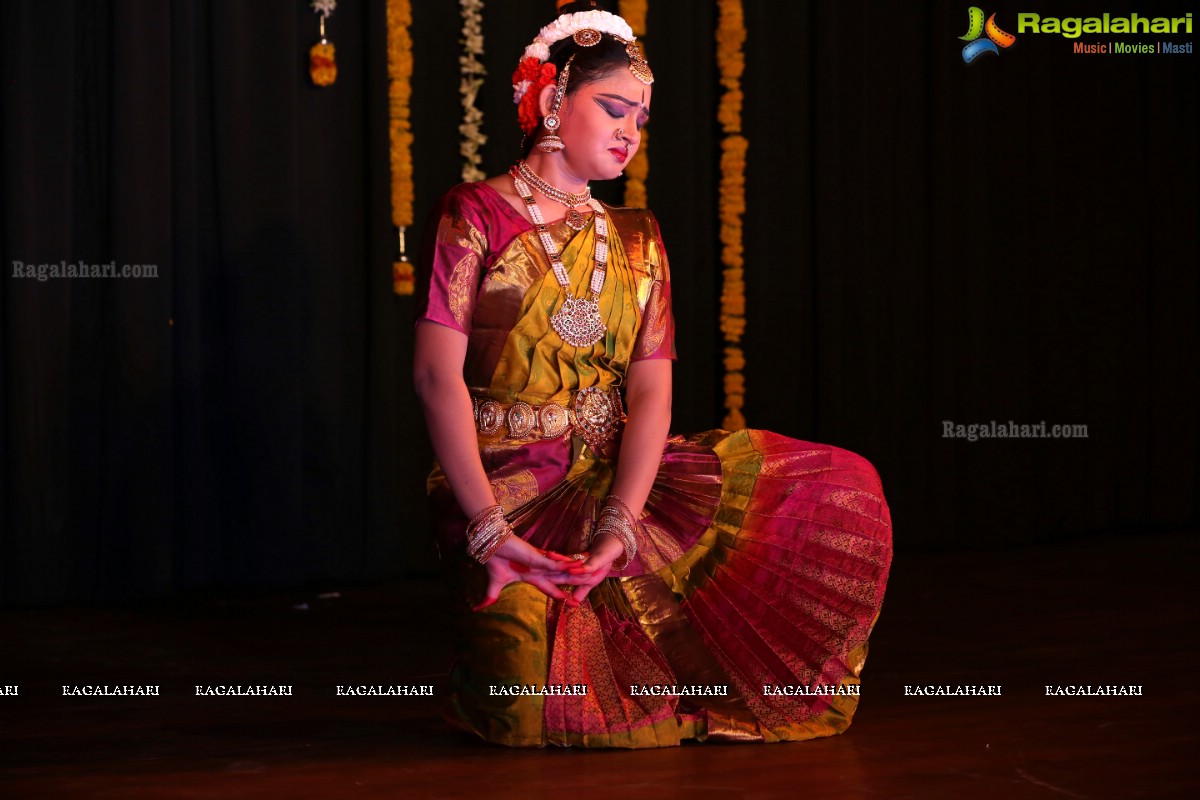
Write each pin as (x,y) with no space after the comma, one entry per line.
(551,142)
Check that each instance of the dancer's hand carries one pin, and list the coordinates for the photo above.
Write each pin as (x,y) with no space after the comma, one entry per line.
(605,550)
(518,560)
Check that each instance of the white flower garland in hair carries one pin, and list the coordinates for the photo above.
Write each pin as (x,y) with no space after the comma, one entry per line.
(473,72)
(569,24)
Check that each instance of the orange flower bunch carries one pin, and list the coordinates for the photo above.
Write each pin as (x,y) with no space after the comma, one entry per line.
(400,67)
(731,36)
(322,67)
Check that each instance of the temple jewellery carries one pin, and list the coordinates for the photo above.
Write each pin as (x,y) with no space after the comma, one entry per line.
(589,37)
(552,142)
(574,219)
(578,320)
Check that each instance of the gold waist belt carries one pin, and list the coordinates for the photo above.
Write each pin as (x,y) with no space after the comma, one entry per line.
(594,415)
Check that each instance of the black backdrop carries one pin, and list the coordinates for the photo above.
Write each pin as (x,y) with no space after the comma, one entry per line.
(926,241)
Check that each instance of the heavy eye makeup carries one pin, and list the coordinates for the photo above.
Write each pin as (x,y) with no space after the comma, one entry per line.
(615,110)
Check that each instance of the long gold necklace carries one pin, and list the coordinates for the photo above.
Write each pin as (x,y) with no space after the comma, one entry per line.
(578,320)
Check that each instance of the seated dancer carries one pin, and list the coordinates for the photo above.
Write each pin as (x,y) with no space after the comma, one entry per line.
(620,588)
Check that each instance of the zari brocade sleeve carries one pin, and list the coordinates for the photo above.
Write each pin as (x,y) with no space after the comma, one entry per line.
(656,339)
(452,260)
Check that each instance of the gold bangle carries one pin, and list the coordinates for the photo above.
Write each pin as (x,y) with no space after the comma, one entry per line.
(616,522)
(478,518)
(621,504)
(487,532)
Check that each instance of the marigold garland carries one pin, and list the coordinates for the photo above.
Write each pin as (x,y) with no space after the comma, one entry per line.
(322,63)
(731,36)
(634,12)
(400,67)
(473,73)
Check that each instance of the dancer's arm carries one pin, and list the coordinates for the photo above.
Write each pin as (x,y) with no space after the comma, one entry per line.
(648,397)
(438,378)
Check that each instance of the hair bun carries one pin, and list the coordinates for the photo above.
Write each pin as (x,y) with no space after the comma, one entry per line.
(574,6)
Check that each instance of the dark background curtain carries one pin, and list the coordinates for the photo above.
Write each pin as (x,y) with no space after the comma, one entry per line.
(926,240)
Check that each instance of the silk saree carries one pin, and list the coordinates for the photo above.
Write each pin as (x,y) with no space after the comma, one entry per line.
(762,567)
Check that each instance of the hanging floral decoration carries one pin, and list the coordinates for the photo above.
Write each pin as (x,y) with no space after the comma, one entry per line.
(731,36)
(473,73)
(634,12)
(400,68)
(322,67)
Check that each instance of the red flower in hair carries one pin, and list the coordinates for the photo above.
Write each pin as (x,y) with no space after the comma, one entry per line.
(538,75)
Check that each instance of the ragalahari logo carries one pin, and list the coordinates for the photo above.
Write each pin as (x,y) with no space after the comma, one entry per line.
(976,27)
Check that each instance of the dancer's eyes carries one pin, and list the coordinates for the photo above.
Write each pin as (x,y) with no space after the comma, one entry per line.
(612,111)
(617,112)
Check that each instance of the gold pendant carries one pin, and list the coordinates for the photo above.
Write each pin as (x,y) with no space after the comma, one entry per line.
(575,220)
(578,322)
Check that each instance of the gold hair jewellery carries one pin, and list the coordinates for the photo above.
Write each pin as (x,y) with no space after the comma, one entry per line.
(587,37)
(637,62)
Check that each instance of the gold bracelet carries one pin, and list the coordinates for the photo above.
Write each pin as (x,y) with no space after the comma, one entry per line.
(617,521)
(487,532)
(478,518)
(612,498)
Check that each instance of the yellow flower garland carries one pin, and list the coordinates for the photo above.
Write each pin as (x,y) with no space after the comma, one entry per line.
(731,36)
(634,12)
(400,68)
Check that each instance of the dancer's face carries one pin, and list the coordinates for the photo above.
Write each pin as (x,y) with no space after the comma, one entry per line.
(602,123)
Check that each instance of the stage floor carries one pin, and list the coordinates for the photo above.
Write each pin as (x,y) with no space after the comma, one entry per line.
(1100,611)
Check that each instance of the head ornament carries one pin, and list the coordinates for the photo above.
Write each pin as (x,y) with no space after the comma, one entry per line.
(585,28)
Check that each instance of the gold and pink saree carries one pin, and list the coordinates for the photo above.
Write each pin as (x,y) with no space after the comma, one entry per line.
(746,613)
